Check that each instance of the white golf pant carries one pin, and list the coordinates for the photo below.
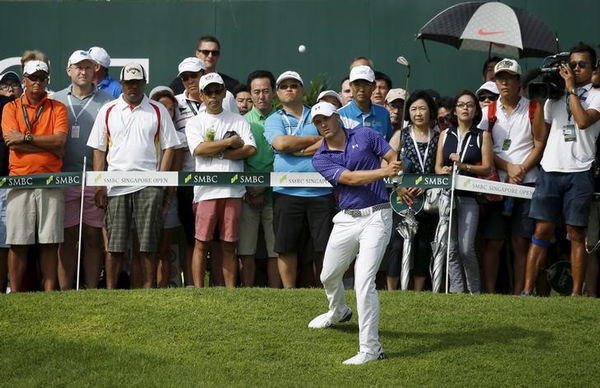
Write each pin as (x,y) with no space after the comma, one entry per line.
(368,237)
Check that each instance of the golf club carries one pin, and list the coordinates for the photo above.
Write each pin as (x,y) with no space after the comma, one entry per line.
(403,62)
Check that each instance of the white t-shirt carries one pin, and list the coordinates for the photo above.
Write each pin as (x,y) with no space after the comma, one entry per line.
(187,109)
(570,156)
(131,138)
(196,130)
(515,126)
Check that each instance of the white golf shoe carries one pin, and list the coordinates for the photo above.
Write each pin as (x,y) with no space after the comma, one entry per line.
(325,320)
(363,357)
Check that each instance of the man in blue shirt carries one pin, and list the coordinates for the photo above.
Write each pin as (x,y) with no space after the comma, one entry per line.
(295,139)
(361,112)
(101,78)
(351,161)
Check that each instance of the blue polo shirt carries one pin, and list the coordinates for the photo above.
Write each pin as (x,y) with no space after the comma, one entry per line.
(110,86)
(363,151)
(377,118)
(283,123)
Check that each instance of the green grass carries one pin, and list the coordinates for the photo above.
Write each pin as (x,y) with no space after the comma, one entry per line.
(251,337)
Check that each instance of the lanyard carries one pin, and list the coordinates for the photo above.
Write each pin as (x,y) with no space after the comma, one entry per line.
(82,109)
(191,106)
(421,158)
(26,116)
(581,96)
(459,144)
(299,125)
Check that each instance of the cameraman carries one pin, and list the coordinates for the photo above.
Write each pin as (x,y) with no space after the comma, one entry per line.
(565,183)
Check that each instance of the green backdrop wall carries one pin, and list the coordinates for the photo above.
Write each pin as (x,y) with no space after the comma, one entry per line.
(266,34)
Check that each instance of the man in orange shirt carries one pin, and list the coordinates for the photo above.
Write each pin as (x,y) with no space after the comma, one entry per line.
(35,129)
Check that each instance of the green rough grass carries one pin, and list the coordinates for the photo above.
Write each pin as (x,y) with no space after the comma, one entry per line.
(251,337)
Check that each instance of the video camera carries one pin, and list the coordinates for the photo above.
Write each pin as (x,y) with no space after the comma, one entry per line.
(551,84)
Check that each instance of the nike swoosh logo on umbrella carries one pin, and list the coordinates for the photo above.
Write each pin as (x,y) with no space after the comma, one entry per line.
(484,32)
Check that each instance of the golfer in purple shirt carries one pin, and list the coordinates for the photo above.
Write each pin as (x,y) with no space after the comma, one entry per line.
(351,161)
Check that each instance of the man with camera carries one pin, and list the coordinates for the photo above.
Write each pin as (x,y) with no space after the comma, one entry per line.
(518,147)
(565,183)
(220,141)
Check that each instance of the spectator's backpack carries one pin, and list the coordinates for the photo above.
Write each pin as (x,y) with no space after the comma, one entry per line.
(492,113)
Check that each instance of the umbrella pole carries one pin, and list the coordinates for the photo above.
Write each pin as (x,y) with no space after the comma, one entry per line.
(452,185)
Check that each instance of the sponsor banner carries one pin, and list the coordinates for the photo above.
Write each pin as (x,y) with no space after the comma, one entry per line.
(426,181)
(224,179)
(131,178)
(490,187)
(298,179)
(62,179)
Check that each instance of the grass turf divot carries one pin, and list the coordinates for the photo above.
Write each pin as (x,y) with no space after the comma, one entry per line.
(249,337)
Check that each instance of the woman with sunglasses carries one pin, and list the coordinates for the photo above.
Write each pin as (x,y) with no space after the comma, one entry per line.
(487,93)
(470,149)
(418,142)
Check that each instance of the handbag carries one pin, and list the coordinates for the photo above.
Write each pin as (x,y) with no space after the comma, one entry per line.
(432,199)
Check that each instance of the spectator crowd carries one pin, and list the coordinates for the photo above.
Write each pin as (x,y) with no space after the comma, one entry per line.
(232,236)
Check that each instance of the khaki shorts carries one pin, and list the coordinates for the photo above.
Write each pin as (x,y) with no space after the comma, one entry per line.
(26,208)
(250,219)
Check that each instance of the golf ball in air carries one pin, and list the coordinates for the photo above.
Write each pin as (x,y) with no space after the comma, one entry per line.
(301,48)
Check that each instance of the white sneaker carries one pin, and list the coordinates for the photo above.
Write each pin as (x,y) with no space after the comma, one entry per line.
(362,358)
(325,320)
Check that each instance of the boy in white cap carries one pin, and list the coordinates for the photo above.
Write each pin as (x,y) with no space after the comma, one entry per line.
(351,161)
(220,141)
(83,101)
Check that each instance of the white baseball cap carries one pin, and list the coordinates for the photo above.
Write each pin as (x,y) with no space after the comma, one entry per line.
(395,94)
(160,88)
(509,66)
(362,72)
(210,78)
(289,75)
(331,93)
(322,108)
(35,66)
(192,64)
(132,72)
(79,56)
(489,86)
(100,56)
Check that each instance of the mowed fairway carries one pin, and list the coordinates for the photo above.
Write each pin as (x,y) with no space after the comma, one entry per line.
(252,337)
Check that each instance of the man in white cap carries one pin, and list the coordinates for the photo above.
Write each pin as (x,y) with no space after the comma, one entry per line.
(189,105)
(102,79)
(35,129)
(518,148)
(351,161)
(361,112)
(297,211)
(133,133)
(220,141)
(10,84)
(331,97)
(83,101)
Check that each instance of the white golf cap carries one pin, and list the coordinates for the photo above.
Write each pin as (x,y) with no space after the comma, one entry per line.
(160,88)
(210,78)
(331,93)
(362,72)
(509,66)
(35,66)
(322,108)
(192,64)
(132,72)
(289,75)
(395,94)
(489,86)
(100,56)
(79,56)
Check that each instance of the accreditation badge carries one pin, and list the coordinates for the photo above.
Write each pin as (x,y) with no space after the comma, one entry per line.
(569,133)
(506,144)
(75,131)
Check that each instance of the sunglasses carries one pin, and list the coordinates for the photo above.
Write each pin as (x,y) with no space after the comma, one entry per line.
(490,97)
(444,119)
(37,78)
(215,53)
(212,92)
(581,64)
(288,86)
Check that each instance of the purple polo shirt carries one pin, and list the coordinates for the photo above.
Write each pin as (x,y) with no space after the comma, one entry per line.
(363,151)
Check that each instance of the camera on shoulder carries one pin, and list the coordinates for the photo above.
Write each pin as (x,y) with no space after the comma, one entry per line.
(550,85)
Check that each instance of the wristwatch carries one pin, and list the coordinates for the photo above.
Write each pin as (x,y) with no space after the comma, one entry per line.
(28,138)
(571,91)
